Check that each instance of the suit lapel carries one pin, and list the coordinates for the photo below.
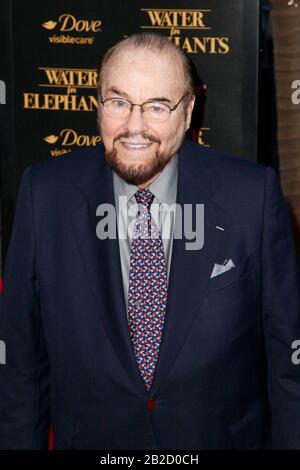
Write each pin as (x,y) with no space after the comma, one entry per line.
(190,269)
(101,260)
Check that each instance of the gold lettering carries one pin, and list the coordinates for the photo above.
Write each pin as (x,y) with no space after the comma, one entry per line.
(155,17)
(62,39)
(173,18)
(198,135)
(70,77)
(29,100)
(83,105)
(70,23)
(53,76)
(59,102)
(176,40)
(205,45)
(200,43)
(186,46)
(197,19)
(224,46)
(70,137)
(200,139)
(52,102)
(57,153)
(186,18)
(67,19)
(167,20)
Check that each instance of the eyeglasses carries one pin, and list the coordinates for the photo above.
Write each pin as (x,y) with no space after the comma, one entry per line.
(154,111)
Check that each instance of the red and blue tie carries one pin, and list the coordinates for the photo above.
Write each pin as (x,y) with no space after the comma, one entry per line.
(147,292)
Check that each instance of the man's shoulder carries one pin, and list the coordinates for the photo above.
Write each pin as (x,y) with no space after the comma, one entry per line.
(67,167)
(239,182)
(225,165)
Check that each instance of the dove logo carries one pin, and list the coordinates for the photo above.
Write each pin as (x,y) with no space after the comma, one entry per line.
(49,25)
(69,137)
(2,352)
(68,23)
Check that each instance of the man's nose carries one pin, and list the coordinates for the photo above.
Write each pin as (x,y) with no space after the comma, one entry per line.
(136,122)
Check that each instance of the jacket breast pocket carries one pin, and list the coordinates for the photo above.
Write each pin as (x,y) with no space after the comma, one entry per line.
(243,269)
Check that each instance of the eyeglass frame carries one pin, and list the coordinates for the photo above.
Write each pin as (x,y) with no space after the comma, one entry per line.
(102,101)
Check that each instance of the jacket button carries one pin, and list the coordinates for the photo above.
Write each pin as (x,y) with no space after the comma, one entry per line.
(151,404)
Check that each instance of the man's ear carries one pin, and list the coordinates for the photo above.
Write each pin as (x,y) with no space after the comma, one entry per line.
(190,112)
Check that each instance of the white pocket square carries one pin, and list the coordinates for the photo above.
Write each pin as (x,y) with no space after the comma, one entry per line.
(222,268)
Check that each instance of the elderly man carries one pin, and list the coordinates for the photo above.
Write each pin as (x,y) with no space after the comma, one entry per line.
(122,338)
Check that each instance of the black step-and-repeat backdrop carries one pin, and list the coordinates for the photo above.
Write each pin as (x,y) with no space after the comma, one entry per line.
(51,50)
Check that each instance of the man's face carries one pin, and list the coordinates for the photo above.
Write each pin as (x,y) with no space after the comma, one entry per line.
(135,148)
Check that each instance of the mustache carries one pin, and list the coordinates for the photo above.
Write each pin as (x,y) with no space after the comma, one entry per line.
(144,135)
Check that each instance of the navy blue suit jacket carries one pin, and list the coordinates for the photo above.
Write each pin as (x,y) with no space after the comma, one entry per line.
(224,377)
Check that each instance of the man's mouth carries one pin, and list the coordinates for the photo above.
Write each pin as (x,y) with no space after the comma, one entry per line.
(136,145)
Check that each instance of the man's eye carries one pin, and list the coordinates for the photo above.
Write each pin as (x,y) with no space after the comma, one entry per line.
(119,104)
(156,108)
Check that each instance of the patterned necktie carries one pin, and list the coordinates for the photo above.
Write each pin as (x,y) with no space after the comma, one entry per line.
(147,292)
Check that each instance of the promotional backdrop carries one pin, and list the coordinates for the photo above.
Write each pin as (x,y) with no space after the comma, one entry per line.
(52,51)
